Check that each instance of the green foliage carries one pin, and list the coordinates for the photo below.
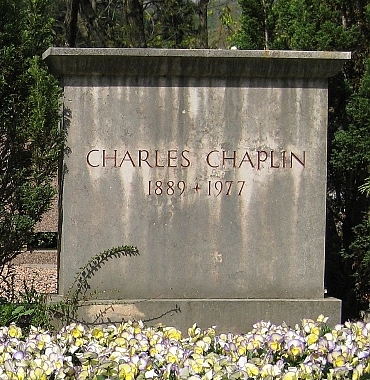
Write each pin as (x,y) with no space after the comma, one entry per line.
(43,240)
(167,23)
(172,24)
(28,309)
(14,313)
(359,110)
(351,155)
(30,138)
(313,25)
(359,256)
(365,187)
(257,22)
(294,24)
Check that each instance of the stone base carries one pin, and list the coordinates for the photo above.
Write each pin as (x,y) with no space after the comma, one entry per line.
(228,315)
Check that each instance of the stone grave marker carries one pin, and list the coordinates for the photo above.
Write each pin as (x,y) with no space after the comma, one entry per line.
(213,164)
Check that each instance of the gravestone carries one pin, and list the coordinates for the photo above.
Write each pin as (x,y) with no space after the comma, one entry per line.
(213,164)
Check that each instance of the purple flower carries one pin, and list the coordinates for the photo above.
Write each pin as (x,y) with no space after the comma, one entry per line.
(18,355)
(363,354)
(296,347)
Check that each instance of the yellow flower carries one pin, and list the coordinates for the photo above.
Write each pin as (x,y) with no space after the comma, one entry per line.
(172,333)
(37,374)
(339,361)
(251,369)
(127,371)
(310,327)
(211,331)
(223,337)
(274,346)
(195,366)
(290,375)
(14,331)
(40,345)
(97,333)
(44,364)
(242,349)
(79,342)
(156,338)
(367,368)
(257,341)
(21,373)
(295,347)
(84,374)
(306,370)
(194,332)
(173,355)
(10,375)
(157,349)
(88,358)
(196,363)
(77,330)
(312,338)
(270,370)
(322,319)
(274,341)
(121,342)
(358,372)
(202,345)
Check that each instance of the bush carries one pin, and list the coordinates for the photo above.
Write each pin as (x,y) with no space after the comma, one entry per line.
(31,141)
(25,309)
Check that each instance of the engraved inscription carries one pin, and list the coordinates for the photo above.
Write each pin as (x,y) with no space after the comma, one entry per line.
(210,188)
(174,158)
(219,161)
(171,158)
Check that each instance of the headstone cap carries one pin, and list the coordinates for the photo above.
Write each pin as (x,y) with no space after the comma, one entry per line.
(194,62)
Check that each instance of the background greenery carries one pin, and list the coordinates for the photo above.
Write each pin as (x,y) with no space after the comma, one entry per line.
(30,139)
(29,107)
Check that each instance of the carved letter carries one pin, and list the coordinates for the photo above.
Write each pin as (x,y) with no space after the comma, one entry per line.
(156,160)
(228,158)
(105,158)
(208,157)
(169,158)
(246,158)
(283,154)
(261,157)
(302,162)
(185,162)
(88,158)
(272,161)
(143,159)
(127,157)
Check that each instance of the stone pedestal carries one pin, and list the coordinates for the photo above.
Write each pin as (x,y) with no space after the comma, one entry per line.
(213,164)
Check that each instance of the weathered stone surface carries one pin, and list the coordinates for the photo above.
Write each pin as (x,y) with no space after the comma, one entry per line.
(197,62)
(212,163)
(237,315)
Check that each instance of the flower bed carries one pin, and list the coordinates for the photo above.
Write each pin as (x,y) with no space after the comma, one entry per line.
(134,351)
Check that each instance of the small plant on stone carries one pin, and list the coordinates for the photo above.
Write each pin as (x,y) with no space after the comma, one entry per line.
(79,292)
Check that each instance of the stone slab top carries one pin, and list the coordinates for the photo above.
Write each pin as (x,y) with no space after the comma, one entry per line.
(194,62)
